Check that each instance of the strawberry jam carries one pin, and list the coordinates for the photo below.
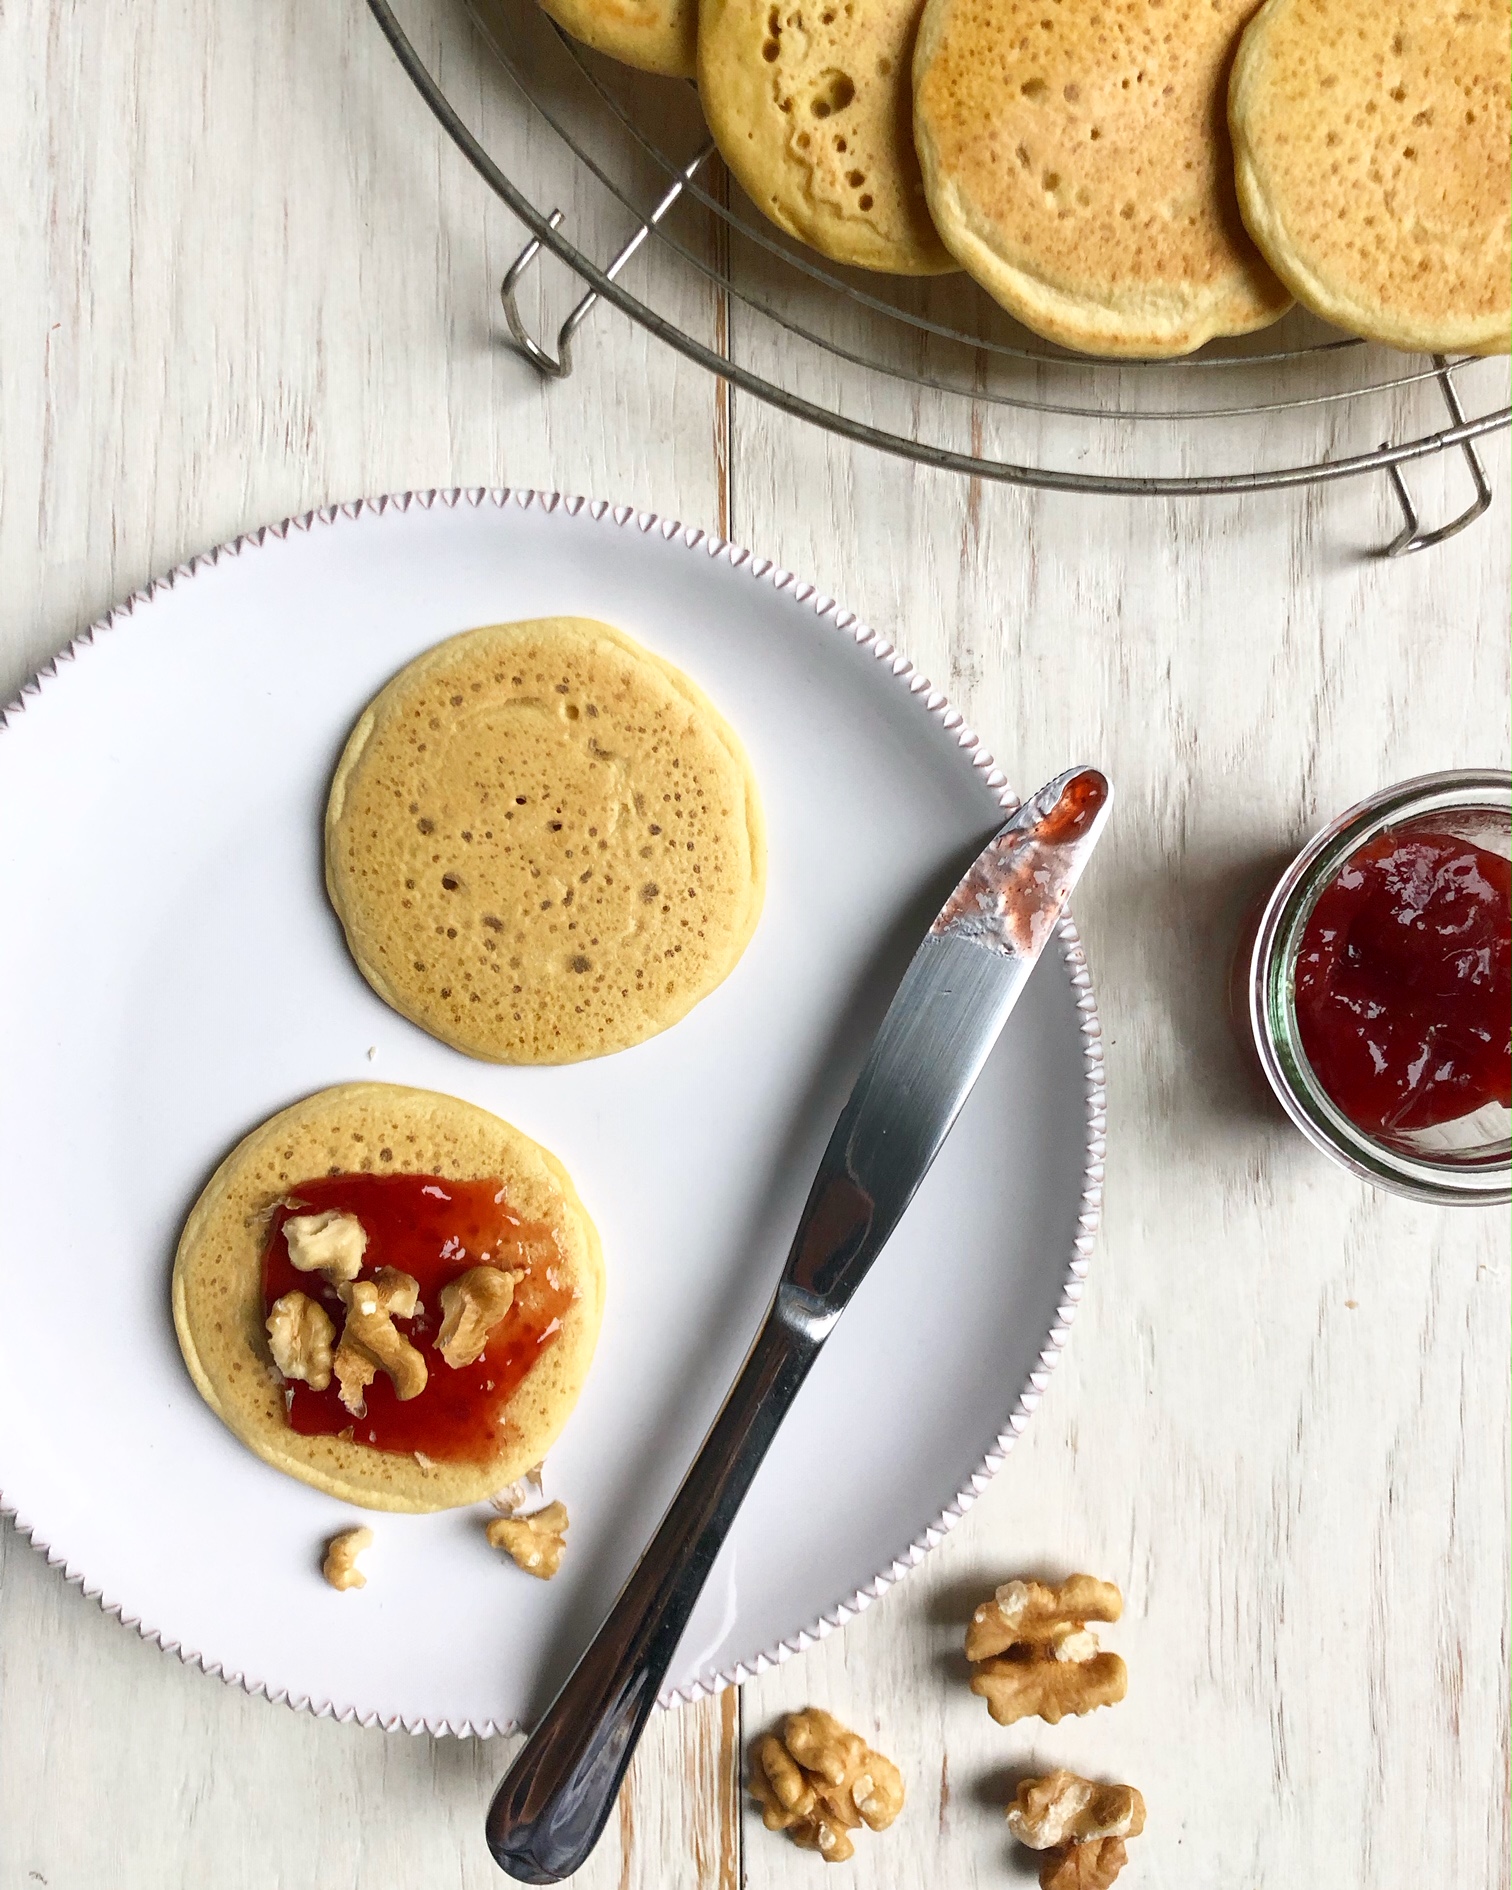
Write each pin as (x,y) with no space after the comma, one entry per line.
(434,1230)
(1402,992)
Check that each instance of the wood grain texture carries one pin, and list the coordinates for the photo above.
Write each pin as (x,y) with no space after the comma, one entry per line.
(1281,1425)
(247,277)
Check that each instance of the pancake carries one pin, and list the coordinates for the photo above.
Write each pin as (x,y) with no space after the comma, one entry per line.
(656,35)
(809,103)
(1371,147)
(1077,164)
(544,843)
(375,1129)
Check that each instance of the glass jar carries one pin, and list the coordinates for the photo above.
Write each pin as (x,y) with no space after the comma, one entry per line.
(1468,1160)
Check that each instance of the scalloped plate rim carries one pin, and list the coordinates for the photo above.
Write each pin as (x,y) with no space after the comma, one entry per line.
(935,702)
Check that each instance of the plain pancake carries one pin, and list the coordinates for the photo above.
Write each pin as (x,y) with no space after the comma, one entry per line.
(1371,145)
(1077,163)
(544,843)
(656,35)
(809,103)
(365,1128)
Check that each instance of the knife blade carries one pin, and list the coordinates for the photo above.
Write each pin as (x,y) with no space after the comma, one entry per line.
(947,1013)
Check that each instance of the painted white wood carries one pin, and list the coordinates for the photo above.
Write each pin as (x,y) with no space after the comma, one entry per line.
(244,277)
(1281,1425)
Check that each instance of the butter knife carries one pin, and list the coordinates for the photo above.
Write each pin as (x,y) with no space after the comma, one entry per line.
(954,999)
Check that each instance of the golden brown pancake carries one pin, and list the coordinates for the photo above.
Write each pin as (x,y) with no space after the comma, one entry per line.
(544,843)
(656,35)
(1371,145)
(810,105)
(1077,163)
(377,1129)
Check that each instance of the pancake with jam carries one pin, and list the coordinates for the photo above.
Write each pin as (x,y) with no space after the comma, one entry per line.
(544,843)
(391,1295)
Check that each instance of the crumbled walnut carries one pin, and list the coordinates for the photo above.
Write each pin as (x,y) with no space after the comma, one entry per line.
(819,1781)
(329,1243)
(471,1306)
(1089,1866)
(340,1566)
(371,1342)
(1064,1809)
(299,1337)
(1034,1653)
(535,1542)
(529,1488)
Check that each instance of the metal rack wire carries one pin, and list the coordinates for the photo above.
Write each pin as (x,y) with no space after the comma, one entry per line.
(931,370)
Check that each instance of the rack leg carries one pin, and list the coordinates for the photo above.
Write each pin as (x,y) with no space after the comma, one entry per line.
(559,366)
(1412,537)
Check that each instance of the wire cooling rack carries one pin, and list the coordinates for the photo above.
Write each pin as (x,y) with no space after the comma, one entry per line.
(930,368)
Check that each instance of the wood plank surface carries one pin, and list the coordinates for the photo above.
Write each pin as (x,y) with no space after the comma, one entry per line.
(247,276)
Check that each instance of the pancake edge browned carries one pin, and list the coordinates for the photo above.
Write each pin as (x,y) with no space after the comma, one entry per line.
(1071,321)
(1266,223)
(347,1470)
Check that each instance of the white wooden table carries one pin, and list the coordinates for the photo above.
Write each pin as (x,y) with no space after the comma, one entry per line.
(244,275)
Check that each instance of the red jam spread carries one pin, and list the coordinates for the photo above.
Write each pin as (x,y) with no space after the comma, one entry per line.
(434,1230)
(1403,998)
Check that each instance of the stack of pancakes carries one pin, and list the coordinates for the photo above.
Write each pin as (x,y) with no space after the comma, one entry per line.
(1126,177)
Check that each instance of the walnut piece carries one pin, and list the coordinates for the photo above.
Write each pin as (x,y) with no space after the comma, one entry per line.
(818,1781)
(1035,1655)
(329,1243)
(536,1542)
(530,1488)
(340,1566)
(371,1342)
(1089,1866)
(1064,1809)
(471,1306)
(299,1337)
(1030,1611)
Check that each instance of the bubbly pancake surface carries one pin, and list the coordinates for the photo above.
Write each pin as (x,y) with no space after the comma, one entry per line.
(544,843)
(810,105)
(1077,162)
(1371,143)
(376,1129)
(656,35)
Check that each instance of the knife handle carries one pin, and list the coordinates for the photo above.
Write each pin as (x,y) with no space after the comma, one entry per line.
(554,1800)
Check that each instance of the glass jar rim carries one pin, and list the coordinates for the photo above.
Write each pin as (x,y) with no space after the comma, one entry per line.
(1311,1109)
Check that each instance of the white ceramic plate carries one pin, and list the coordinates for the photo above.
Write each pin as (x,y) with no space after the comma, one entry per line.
(173,975)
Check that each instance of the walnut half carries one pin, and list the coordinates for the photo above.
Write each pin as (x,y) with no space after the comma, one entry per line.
(1034,1653)
(299,1337)
(818,1781)
(535,1543)
(340,1566)
(371,1342)
(329,1243)
(471,1306)
(1031,1611)
(1081,1824)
